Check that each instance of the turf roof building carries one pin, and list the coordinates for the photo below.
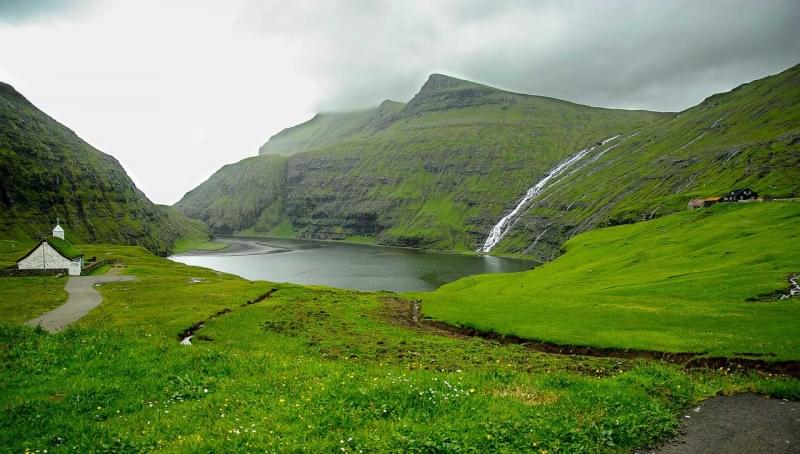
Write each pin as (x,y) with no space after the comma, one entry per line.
(703,203)
(53,254)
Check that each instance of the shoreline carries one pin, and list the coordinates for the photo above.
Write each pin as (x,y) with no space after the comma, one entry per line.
(256,245)
(236,247)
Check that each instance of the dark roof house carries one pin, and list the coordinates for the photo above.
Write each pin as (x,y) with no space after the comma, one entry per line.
(739,194)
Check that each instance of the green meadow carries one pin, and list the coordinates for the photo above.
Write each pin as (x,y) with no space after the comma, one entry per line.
(324,369)
(703,281)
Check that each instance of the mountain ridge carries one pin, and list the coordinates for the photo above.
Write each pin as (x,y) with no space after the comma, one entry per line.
(393,172)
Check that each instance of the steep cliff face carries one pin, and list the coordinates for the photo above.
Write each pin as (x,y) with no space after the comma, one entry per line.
(249,194)
(435,172)
(748,137)
(46,171)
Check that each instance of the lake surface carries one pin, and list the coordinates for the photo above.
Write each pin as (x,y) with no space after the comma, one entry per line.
(345,265)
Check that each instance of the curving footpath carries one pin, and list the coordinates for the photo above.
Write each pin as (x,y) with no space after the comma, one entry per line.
(746,423)
(82,298)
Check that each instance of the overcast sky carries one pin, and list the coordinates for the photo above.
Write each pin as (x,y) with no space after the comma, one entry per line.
(175,89)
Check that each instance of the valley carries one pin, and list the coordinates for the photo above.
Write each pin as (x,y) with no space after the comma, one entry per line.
(322,338)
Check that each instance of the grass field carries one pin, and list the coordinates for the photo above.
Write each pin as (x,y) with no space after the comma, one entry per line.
(680,283)
(25,298)
(313,368)
(13,250)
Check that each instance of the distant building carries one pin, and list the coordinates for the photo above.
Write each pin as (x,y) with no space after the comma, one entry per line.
(702,203)
(58,232)
(53,254)
(739,195)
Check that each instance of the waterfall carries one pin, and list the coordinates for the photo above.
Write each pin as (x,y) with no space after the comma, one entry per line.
(504,225)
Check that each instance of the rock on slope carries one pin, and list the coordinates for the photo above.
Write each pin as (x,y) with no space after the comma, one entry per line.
(47,171)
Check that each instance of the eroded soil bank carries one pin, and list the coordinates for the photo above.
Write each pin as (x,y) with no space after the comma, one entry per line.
(690,360)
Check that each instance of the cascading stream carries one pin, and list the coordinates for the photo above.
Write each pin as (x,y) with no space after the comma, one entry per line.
(504,225)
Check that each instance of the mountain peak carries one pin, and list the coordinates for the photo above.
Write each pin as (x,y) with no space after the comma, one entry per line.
(437,82)
(442,92)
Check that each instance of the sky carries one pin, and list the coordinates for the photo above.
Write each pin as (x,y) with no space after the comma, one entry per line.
(175,89)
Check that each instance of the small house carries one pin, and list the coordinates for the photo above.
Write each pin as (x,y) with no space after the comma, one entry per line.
(703,203)
(54,253)
(739,195)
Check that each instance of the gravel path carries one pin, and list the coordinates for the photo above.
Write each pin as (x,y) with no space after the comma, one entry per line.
(746,423)
(82,298)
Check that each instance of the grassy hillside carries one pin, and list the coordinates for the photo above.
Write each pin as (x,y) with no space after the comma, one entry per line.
(681,283)
(47,172)
(748,137)
(434,172)
(329,128)
(314,369)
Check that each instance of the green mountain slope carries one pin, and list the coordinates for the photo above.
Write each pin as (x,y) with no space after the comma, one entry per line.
(47,172)
(435,172)
(699,281)
(748,137)
(248,194)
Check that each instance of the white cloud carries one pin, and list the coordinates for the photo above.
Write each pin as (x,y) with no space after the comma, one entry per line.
(175,89)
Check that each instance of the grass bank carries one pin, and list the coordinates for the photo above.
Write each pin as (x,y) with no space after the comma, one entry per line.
(701,281)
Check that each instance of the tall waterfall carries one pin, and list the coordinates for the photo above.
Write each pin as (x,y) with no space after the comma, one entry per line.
(504,225)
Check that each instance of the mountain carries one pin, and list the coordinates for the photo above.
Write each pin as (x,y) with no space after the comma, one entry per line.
(442,170)
(436,172)
(48,172)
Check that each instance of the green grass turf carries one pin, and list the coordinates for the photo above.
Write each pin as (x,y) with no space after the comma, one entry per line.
(679,284)
(25,298)
(318,369)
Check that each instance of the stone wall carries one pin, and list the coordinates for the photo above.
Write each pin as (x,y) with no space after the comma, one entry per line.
(15,272)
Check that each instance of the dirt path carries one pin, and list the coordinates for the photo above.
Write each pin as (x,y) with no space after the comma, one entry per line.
(82,298)
(744,423)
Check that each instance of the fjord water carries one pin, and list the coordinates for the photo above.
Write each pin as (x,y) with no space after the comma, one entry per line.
(346,265)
